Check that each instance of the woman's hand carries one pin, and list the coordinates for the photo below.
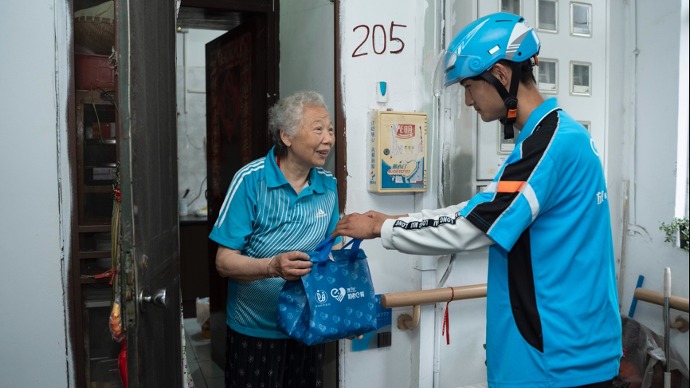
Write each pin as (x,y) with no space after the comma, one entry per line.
(289,265)
(232,264)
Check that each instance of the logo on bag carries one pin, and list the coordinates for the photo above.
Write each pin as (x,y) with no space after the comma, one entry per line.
(321,296)
(338,294)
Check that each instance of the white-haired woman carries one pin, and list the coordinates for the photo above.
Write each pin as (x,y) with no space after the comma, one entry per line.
(277,208)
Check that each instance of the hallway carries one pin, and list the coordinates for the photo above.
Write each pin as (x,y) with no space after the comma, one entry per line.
(205,372)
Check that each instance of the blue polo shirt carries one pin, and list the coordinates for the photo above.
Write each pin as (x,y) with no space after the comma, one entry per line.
(552,303)
(262,216)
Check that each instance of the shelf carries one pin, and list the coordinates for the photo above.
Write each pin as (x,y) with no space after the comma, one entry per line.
(94,159)
(107,141)
(94,228)
(97,303)
(97,297)
(103,189)
(97,96)
(85,255)
(93,280)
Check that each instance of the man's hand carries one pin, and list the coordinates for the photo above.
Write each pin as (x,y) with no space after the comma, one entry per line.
(362,226)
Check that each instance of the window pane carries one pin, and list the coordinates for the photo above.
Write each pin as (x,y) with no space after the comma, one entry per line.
(548,15)
(511,6)
(581,19)
(580,78)
(548,75)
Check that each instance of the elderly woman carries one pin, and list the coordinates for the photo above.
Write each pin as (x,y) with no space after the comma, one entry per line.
(277,208)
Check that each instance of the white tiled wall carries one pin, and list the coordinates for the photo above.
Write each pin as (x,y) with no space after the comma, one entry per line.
(191,116)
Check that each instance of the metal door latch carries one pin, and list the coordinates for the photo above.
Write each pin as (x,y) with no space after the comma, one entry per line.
(157,299)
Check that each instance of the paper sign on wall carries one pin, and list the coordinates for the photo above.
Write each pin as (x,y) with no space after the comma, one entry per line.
(398,152)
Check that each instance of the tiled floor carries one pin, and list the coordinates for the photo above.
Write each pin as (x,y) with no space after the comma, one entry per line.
(205,372)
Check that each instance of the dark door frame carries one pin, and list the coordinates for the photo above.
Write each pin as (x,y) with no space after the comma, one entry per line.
(224,13)
(341,140)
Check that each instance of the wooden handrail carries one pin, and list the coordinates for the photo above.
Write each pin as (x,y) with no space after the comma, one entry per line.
(413,298)
(675,302)
(417,298)
(447,294)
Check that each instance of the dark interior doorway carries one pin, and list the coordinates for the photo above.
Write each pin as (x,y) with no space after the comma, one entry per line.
(229,16)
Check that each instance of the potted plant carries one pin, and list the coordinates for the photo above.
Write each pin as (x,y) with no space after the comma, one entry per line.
(676,232)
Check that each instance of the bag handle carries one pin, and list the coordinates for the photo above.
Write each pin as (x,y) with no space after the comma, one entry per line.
(325,245)
(324,248)
(355,247)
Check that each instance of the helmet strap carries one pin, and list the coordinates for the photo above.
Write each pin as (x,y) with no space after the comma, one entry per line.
(509,97)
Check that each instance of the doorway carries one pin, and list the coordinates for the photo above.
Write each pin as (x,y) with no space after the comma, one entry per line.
(201,22)
(198,24)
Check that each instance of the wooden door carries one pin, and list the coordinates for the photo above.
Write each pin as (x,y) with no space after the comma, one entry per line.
(148,157)
(238,93)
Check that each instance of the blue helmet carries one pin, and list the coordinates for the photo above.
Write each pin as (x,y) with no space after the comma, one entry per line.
(487,40)
(481,44)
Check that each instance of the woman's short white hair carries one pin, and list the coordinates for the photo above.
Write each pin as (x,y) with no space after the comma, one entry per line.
(286,115)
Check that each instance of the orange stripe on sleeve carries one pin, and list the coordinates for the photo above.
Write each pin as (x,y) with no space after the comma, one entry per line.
(510,186)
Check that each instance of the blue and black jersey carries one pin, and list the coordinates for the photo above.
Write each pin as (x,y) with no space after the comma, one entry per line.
(552,303)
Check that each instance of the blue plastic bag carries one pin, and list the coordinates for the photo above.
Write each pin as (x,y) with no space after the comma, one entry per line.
(335,300)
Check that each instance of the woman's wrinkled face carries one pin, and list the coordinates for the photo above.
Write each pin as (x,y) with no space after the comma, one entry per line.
(314,138)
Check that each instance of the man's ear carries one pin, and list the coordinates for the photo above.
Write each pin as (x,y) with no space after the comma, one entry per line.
(502,73)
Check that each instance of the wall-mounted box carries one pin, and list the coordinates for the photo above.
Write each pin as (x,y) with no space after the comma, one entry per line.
(398,142)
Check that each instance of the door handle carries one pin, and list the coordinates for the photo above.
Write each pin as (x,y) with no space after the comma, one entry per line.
(157,299)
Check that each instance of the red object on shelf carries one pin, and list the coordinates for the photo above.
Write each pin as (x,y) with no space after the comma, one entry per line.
(94,72)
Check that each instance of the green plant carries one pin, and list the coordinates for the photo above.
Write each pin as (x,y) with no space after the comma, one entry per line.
(677,228)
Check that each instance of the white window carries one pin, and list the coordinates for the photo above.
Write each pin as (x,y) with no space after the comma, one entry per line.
(547,75)
(580,78)
(581,19)
(511,6)
(547,15)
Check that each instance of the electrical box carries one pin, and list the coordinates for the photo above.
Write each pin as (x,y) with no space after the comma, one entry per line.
(398,152)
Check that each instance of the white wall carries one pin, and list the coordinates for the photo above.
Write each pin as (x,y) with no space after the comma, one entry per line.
(307,52)
(35,196)
(408,362)
(651,163)
(307,48)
